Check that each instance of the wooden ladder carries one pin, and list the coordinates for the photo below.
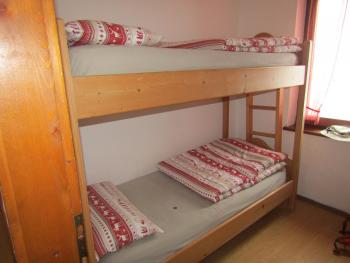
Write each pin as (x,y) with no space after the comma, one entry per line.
(250,107)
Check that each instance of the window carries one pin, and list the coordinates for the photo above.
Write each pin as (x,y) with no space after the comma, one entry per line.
(329,92)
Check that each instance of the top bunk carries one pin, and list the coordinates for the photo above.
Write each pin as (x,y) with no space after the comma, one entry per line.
(105,80)
(90,60)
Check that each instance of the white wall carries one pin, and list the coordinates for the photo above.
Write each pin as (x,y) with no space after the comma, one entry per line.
(128,148)
(274,16)
(325,170)
(175,20)
(124,149)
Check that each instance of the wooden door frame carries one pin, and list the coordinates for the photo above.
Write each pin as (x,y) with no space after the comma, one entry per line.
(37,160)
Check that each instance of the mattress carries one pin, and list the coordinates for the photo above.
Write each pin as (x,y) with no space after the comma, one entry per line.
(181,213)
(103,60)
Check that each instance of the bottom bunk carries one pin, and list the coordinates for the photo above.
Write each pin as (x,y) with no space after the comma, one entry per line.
(186,217)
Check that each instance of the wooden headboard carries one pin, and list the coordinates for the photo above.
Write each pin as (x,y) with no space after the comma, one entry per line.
(263,34)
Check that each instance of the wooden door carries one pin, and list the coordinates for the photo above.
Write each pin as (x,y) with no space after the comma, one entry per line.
(37,163)
(6,248)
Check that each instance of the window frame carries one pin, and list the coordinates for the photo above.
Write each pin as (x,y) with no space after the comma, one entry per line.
(325,122)
(315,129)
(309,31)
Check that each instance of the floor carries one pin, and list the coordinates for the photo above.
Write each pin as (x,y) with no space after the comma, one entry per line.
(305,236)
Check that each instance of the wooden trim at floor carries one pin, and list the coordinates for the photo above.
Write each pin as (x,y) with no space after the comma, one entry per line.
(325,207)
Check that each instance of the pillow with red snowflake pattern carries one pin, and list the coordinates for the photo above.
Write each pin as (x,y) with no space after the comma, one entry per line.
(116,222)
(85,32)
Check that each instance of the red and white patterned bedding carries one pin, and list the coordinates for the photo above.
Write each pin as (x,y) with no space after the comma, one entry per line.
(116,222)
(262,41)
(87,32)
(223,167)
(258,44)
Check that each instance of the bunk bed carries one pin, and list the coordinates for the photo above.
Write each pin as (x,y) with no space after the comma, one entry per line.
(101,93)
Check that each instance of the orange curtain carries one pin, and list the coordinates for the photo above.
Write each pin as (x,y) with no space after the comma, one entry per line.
(312,111)
(310,21)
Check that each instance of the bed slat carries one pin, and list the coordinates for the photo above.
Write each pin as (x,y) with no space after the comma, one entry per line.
(264,134)
(110,94)
(262,107)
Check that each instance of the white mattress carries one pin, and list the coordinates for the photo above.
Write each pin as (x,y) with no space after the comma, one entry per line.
(102,60)
(181,213)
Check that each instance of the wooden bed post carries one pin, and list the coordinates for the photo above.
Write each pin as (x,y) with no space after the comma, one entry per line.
(225,117)
(76,140)
(279,119)
(249,118)
(299,129)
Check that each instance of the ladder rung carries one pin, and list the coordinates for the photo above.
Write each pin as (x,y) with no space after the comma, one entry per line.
(261,107)
(264,134)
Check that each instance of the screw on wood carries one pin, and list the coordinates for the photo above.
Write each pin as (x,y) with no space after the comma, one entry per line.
(56,254)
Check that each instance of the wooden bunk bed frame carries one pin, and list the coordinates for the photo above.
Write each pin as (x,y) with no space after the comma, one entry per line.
(94,96)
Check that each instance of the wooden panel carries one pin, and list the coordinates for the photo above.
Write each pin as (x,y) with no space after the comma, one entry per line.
(262,107)
(261,143)
(9,204)
(62,105)
(263,134)
(298,137)
(76,140)
(279,119)
(38,189)
(225,117)
(6,247)
(103,95)
(289,168)
(249,117)
(200,248)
